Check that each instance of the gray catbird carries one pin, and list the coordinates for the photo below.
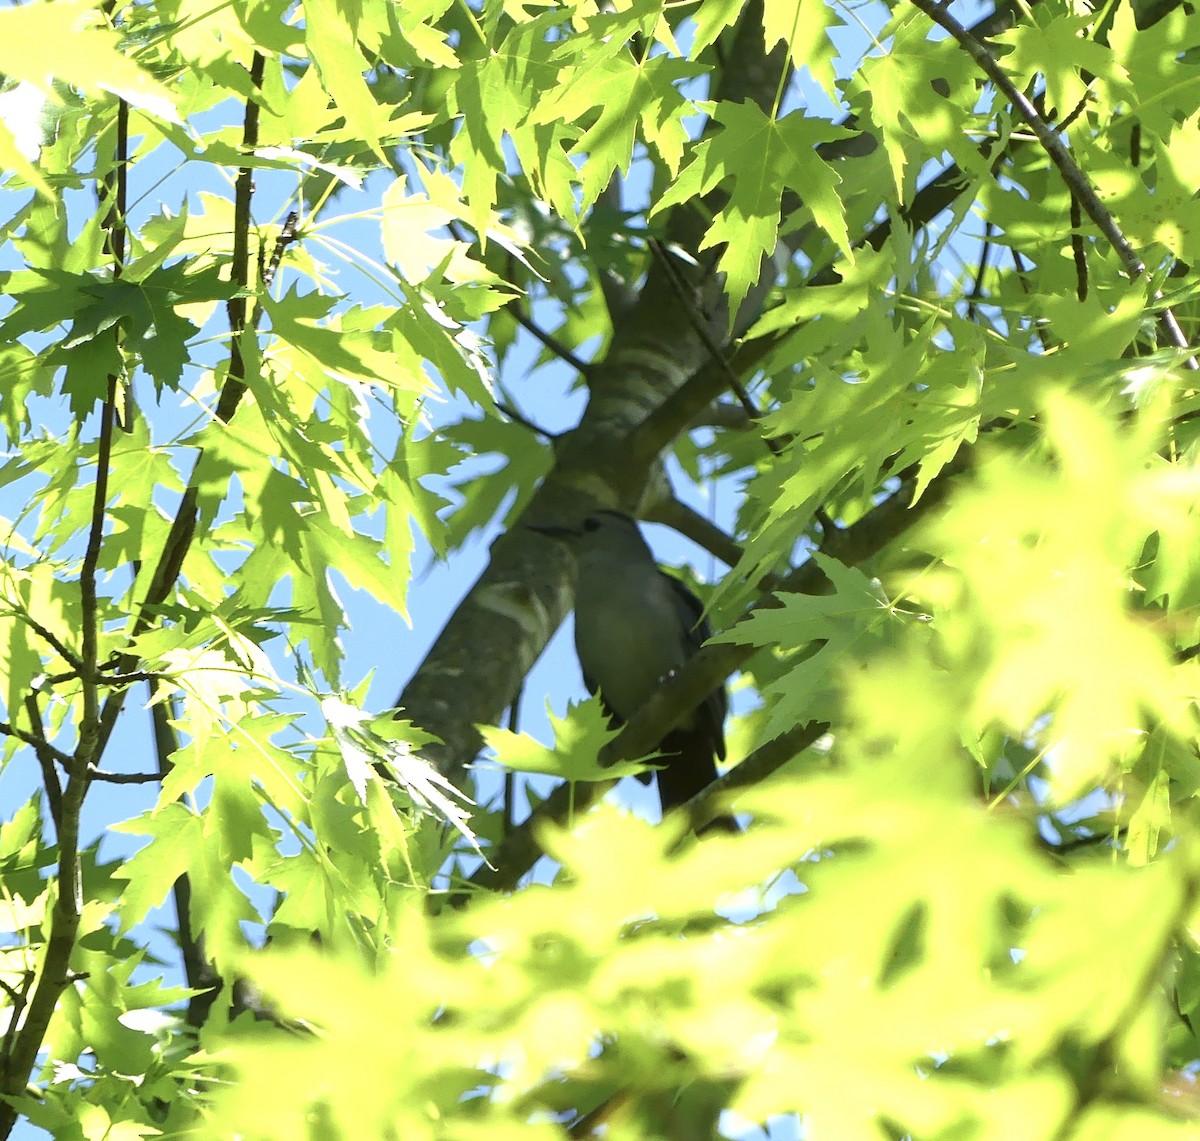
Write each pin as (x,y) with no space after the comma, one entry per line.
(634,626)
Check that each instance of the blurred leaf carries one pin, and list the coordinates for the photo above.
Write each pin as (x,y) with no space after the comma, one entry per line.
(66,40)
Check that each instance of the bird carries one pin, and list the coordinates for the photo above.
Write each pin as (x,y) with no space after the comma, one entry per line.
(634,626)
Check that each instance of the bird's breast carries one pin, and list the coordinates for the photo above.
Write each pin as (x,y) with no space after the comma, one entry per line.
(628,644)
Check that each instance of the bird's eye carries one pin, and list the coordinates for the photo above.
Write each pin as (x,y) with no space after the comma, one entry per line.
(591,523)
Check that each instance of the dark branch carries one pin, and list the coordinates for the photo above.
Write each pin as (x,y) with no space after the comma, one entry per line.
(43,747)
(702,531)
(687,301)
(547,339)
(183,526)
(518,418)
(45,757)
(243,193)
(106,777)
(287,235)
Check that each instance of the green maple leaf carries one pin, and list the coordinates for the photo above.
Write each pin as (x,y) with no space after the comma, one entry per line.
(1140,78)
(625,93)
(902,83)
(804,25)
(1060,49)
(175,833)
(493,96)
(711,19)
(332,43)
(760,158)
(837,624)
(145,310)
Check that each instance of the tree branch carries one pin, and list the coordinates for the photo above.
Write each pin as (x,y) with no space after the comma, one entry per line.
(106,777)
(696,320)
(524,593)
(547,339)
(691,524)
(681,408)
(767,759)
(198,970)
(183,526)
(243,193)
(50,638)
(45,758)
(41,745)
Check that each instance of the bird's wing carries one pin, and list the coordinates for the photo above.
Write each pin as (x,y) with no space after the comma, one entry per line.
(613,715)
(716,705)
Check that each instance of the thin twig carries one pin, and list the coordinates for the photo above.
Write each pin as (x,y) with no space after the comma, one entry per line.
(198,970)
(1079,250)
(111,680)
(45,756)
(513,309)
(518,418)
(89,658)
(131,677)
(510,777)
(17,998)
(976,293)
(106,777)
(235,307)
(700,328)
(41,745)
(548,339)
(662,425)
(287,235)
(1063,124)
(68,655)
(690,523)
